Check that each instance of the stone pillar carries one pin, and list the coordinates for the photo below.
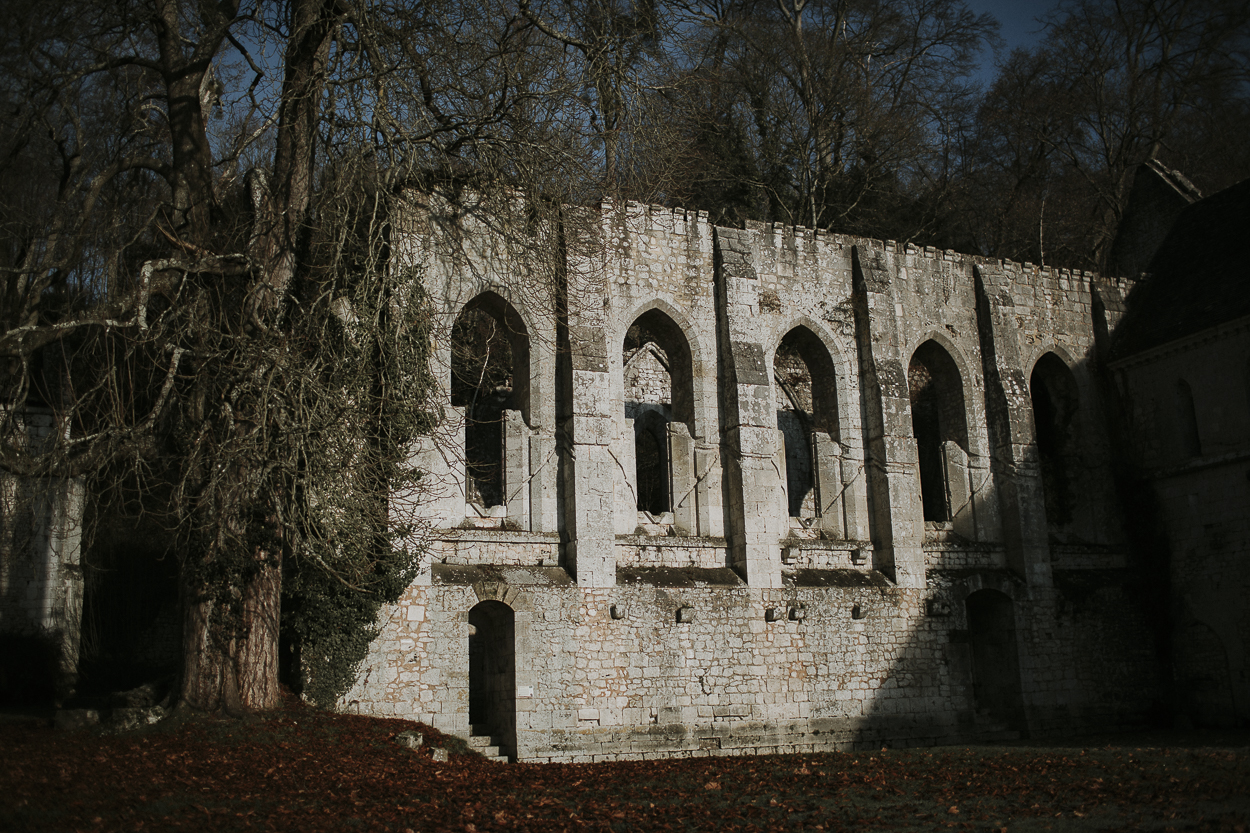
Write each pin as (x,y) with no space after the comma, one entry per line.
(585,414)
(829,485)
(783,477)
(855,497)
(543,460)
(590,469)
(440,495)
(626,480)
(748,416)
(709,491)
(896,525)
(1009,417)
(958,491)
(542,483)
(516,459)
(682,496)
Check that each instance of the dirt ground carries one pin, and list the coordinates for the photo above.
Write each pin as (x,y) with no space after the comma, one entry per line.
(301,769)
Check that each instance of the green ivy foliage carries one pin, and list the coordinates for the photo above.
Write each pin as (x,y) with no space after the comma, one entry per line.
(351,548)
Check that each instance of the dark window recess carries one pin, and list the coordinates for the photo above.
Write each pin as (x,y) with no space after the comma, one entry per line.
(650,454)
(489,374)
(1187,419)
(659,390)
(1056,404)
(937,417)
(806,400)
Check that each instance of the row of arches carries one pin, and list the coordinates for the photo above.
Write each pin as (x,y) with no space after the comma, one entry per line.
(490,375)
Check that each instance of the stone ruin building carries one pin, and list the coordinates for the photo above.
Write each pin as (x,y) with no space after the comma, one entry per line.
(763,489)
(720,491)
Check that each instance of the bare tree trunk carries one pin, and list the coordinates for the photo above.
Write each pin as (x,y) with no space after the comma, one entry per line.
(240,673)
(230,645)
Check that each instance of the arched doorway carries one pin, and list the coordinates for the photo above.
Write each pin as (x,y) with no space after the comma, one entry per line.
(937,417)
(995,658)
(492,673)
(806,401)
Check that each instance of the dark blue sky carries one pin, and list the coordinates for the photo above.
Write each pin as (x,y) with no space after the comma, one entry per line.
(1019,20)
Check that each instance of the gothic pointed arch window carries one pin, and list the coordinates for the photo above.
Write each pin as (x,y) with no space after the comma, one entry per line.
(1187,421)
(659,390)
(489,375)
(1056,405)
(806,399)
(938,417)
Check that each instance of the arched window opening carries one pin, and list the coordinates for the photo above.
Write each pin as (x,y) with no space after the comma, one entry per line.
(995,658)
(492,672)
(1187,420)
(1056,403)
(806,401)
(651,457)
(937,417)
(658,380)
(489,375)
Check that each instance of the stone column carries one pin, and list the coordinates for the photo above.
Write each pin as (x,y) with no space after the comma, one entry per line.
(829,484)
(543,460)
(1009,417)
(896,525)
(682,496)
(958,492)
(748,417)
(590,469)
(544,507)
(709,490)
(585,415)
(516,470)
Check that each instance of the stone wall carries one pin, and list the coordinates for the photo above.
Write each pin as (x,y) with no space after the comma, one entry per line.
(726,624)
(41,581)
(1201,496)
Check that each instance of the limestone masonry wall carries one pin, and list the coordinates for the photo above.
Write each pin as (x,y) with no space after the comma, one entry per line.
(833,533)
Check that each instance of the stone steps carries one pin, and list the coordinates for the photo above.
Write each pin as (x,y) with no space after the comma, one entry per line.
(481,742)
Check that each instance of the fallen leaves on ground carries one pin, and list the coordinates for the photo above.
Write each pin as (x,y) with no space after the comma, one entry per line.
(301,769)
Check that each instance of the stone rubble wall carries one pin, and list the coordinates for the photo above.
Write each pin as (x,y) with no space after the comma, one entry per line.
(725,631)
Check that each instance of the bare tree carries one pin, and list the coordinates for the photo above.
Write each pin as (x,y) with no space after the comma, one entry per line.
(844,105)
(1113,85)
(197,278)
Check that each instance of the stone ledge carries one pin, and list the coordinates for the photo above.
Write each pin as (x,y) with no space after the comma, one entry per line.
(679,577)
(663,541)
(496,536)
(459,574)
(835,578)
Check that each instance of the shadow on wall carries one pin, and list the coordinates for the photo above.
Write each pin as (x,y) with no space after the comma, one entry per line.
(1070,655)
